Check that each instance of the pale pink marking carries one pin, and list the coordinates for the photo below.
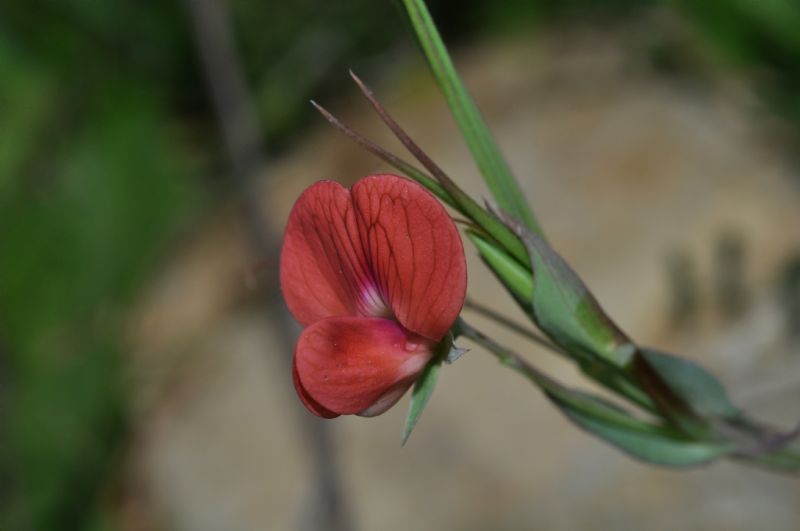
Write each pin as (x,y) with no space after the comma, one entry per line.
(371,303)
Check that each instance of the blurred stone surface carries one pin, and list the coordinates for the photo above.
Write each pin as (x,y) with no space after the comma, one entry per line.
(623,166)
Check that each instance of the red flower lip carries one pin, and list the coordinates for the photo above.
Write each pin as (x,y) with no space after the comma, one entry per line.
(377,275)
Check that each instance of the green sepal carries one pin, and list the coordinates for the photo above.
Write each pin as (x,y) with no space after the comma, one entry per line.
(568,312)
(564,308)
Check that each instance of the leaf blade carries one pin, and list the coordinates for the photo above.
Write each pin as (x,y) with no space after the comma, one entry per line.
(487,155)
(420,395)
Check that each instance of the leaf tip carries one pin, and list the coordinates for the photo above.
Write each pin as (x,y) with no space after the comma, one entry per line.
(406,434)
(322,110)
(423,388)
(359,82)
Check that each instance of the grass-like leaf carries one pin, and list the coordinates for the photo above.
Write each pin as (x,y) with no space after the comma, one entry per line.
(423,389)
(481,143)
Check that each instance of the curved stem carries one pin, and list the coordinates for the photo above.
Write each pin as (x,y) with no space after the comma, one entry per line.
(614,382)
(514,326)
(509,358)
(551,387)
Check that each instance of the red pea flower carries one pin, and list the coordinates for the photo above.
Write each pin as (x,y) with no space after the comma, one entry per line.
(377,276)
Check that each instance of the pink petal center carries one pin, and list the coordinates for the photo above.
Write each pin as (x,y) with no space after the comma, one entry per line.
(371,303)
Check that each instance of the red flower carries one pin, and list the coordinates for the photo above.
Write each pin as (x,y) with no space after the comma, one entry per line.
(377,275)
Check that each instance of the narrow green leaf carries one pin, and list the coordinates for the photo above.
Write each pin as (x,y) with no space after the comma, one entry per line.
(652,444)
(490,161)
(423,388)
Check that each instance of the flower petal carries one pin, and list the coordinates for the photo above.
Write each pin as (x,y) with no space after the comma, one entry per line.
(357,365)
(306,399)
(414,252)
(323,269)
(389,248)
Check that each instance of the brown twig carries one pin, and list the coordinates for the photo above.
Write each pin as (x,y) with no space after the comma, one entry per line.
(401,135)
(366,143)
(385,155)
(244,146)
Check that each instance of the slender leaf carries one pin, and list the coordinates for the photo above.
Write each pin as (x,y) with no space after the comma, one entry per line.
(423,388)
(490,161)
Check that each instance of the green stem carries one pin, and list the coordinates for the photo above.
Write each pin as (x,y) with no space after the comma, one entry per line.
(551,387)
(600,373)
(509,358)
(524,331)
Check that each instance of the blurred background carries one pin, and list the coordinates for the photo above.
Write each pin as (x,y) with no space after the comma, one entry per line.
(150,153)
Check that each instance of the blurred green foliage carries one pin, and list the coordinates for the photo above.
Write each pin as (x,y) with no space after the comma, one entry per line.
(105,133)
(92,181)
(761,37)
